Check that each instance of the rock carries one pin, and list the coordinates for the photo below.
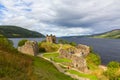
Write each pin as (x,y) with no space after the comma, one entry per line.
(30,48)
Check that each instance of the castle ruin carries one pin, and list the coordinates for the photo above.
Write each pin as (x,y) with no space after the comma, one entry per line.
(77,56)
(30,48)
(51,38)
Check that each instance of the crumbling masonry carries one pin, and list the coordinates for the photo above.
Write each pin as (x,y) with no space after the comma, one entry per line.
(77,56)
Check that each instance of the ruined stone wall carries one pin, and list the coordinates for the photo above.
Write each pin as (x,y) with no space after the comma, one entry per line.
(30,48)
(79,63)
(77,56)
(83,49)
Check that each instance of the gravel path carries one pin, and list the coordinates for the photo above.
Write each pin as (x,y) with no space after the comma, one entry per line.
(63,70)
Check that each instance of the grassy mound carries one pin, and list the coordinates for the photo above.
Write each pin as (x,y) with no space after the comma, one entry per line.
(48,47)
(55,57)
(46,71)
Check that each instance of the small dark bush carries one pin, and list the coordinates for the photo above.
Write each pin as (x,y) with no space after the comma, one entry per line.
(61,41)
(22,42)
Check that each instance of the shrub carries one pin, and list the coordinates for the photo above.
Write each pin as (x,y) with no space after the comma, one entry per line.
(113,64)
(41,49)
(68,46)
(6,44)
(73,43)
(22,42)
(61,41)
(48,47)
(91,49)
(93,59)
(111,73)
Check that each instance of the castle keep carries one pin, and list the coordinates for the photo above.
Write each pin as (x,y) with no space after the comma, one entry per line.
(51,38)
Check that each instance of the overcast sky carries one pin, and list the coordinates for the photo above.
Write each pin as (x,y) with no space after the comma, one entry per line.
(62,17)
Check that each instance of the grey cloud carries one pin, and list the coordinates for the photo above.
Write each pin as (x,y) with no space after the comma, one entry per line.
(59,16)
(75,16)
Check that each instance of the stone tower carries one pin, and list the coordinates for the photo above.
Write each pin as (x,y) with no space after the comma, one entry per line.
(51,38)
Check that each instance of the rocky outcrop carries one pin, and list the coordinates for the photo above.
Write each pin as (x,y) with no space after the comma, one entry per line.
(30,48)
(77,55)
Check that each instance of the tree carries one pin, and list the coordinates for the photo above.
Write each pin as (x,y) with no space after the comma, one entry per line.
(73,43)
(6,44)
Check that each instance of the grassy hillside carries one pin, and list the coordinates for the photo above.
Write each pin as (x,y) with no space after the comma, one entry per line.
(46,71)
(17,66)
(18,32)
(115,34)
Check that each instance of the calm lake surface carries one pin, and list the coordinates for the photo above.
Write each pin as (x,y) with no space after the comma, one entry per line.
(108,49)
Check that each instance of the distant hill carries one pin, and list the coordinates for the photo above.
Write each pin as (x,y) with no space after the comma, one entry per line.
(114,34)
(18,32)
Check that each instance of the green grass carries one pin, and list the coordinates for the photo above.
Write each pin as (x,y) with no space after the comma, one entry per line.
(46,71)
(16,66)
(55,57)
(91,77)
(61,60)
(48,47)
(115,34)
(51,55)
(92,66)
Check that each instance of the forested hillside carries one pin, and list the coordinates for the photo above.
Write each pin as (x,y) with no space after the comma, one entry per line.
(18,32)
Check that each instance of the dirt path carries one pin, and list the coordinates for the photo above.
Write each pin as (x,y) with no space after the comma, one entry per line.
(103,67)
(62,70)
(56,65)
